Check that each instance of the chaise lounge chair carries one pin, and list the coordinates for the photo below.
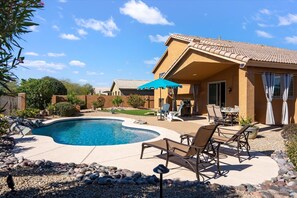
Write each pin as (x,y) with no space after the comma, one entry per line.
(198,149)
(227,138)
(174,115)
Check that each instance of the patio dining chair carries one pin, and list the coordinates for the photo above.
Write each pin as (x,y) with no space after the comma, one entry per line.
(210,112)
(197,151)
(219,117)
(240,138)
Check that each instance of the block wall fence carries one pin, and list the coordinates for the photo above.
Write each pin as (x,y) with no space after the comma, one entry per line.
(89,99)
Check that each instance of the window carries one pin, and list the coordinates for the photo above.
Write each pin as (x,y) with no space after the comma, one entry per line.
(161,74)
(279,86)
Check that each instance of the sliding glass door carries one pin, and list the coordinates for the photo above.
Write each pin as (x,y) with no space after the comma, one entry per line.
(217,93)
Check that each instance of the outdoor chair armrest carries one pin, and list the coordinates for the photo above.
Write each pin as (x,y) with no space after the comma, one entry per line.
(169,140)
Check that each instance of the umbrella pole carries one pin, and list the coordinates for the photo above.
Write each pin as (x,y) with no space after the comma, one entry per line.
(160,100)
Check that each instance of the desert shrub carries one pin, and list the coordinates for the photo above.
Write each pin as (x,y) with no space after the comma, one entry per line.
(292,150)
(136,101)
(117,101)
(65,109)
(289,131)
(51,109)
(73,99)
(4,125)
(99,103)
(27,113)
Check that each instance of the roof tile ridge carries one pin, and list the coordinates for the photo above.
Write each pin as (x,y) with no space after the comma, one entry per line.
(214,50)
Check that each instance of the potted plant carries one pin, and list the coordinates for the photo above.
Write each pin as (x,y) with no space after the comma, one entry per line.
(252,130)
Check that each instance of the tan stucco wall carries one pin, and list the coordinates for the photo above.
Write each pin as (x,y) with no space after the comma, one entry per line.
(261,103)
(230,76)
(174,49)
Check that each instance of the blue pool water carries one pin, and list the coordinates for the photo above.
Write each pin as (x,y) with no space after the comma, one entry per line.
(94,132)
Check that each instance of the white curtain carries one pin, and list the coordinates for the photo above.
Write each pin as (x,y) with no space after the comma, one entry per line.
(268,83)
(285,114)
(195,96)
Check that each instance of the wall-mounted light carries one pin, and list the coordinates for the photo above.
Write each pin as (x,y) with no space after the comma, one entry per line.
(229,89)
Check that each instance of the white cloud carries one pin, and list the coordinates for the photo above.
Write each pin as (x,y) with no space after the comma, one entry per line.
(33,28)
(31,54)
(69,37)
(287,20)
(82,32)
(141,12)
(91,73)
(43,65)
(55,27)
(158,38)
(263,25)
(94,73)
(63,1)
(51,54)
(265,11)
(75,72)
(83,80)
(152,62)
(77,63)
(107,28)
(263,34)
(292,39)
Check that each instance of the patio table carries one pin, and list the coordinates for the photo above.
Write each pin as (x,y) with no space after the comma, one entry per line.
(232,112)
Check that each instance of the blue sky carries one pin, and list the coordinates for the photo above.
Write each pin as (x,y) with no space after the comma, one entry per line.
(97,41)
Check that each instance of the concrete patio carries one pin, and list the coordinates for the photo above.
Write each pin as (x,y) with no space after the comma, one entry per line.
(128,156)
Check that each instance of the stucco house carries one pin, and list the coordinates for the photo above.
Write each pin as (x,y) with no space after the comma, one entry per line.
(123,87)
(260,79)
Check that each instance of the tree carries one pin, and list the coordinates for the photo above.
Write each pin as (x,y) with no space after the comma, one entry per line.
(78,89)
(57,87)
(39,92)
(15,18)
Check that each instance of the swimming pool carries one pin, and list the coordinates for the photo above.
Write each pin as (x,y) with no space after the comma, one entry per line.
(94,132)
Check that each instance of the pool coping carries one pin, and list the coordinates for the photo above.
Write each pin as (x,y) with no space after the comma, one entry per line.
(127,122)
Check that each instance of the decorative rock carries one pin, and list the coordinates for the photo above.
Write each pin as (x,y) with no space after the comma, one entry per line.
(292,183)
(266,194)
(94,176)
(104,181)
(79,176)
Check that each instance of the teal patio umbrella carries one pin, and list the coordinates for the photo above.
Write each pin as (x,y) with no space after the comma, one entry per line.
(160,83)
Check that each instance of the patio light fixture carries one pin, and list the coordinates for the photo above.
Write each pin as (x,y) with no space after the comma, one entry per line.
(161,169)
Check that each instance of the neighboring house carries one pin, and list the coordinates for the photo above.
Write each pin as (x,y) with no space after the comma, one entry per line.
(228,73)
(128,87)
(102,91)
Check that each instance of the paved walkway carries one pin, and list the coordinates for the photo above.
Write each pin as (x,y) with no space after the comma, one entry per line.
(254,171)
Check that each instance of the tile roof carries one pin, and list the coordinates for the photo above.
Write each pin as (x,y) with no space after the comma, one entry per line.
(239,51)
(129,84)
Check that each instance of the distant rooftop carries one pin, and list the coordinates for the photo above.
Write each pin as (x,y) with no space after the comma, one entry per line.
(129,84)
(239,50)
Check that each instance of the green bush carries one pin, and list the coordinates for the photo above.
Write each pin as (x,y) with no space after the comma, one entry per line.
(27,113)
(136,101)
(117,101)
(99,103)
(4,125)
(292,150)
(73,99)
(51,109)
(65,109)
(289,131)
